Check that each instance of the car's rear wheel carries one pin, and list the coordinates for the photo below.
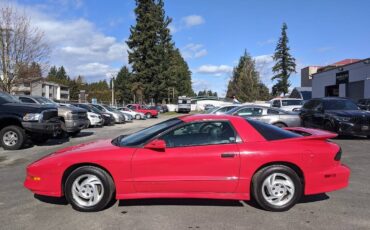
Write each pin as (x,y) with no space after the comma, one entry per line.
(276,188)
(148,115)
(12,137)
(137,117)
(89,189)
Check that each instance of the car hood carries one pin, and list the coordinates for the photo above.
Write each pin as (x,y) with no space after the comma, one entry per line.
(348,113)
(27,107)
(100,145)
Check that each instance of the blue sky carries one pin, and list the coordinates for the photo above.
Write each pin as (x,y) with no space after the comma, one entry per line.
(88,36)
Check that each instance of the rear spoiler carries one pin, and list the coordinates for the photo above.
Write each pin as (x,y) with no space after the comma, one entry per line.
(311,134)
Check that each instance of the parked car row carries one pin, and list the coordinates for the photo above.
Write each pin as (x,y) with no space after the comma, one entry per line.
(335,114)
(38,119)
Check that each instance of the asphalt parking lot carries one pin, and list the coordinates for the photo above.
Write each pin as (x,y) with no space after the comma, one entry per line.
(19,209)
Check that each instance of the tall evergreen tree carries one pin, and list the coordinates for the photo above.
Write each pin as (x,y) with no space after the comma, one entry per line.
(123,86)
(245,83)
(156,64)
(285,63)
(143,42)
(52,73)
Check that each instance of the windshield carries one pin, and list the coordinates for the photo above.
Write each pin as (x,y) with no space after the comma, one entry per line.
(8,98)
(340,105)
(291,102)
(144,135)
(43,100)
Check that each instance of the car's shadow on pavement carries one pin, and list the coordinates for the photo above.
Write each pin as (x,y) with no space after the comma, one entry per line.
(51,200)
(179,202)
(314,198)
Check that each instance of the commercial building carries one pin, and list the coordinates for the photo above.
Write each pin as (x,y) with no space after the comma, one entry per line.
(347,78)
(41,87)
(306,75)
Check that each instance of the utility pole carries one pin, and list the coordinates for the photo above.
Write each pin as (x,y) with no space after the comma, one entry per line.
(112,80)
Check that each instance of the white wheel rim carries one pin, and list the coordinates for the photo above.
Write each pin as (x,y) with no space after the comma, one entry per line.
(10,138)
(278,189)
(87,190)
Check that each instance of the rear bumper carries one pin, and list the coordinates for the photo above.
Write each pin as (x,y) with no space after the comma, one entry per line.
(326,181)
(43,127)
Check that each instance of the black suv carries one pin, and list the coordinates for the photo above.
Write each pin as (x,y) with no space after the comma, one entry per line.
(19,121)
(364,104)
(340,115)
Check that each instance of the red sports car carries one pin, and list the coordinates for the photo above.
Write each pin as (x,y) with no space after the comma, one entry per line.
(196,156)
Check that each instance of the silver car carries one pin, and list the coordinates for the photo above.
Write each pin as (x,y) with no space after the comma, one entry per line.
(222,109)
(118,117)
(268,115)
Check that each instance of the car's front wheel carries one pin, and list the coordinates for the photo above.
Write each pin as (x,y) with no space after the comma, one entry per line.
(148,115)
(276,188)
(12,137)
(89,189)
(137,117)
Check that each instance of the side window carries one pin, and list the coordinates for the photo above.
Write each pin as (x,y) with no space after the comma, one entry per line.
(26,100)
(318,106)
(272,112)
(309,104)
(201,133)
(276,103)
(250,112)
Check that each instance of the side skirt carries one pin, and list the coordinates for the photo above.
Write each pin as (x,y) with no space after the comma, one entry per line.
(223,196)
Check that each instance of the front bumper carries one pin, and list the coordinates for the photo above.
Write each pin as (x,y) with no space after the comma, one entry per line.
(329,180)
(96,121)
(75,125)
(47,185)
(352,129)
(46,127)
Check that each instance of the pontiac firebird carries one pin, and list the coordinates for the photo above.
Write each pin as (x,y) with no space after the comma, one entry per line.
(195,156)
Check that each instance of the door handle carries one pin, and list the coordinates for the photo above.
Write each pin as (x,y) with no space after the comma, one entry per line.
(228,155)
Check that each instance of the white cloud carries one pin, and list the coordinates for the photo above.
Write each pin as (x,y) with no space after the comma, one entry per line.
(193,20)
(192,50)
(267,42)
(199,84)
(216,70)
(78,44)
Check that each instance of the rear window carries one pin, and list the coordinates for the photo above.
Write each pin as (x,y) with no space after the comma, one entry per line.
(271,132)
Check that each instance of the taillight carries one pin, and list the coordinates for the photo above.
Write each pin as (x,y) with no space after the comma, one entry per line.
(338,156)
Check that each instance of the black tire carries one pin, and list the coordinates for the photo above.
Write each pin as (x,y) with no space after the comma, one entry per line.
(107,184)
(148,115)
(17,132)
(137,117)
(280,125)
(258,189)
(39,139)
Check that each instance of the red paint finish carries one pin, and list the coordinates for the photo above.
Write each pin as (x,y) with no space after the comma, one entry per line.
(141,109)
(196,171)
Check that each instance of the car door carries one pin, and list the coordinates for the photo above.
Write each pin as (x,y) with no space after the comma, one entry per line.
(307,113)
(318,115)
(199,157)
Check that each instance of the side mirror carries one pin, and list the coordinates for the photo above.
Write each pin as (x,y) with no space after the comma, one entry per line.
(157,144)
